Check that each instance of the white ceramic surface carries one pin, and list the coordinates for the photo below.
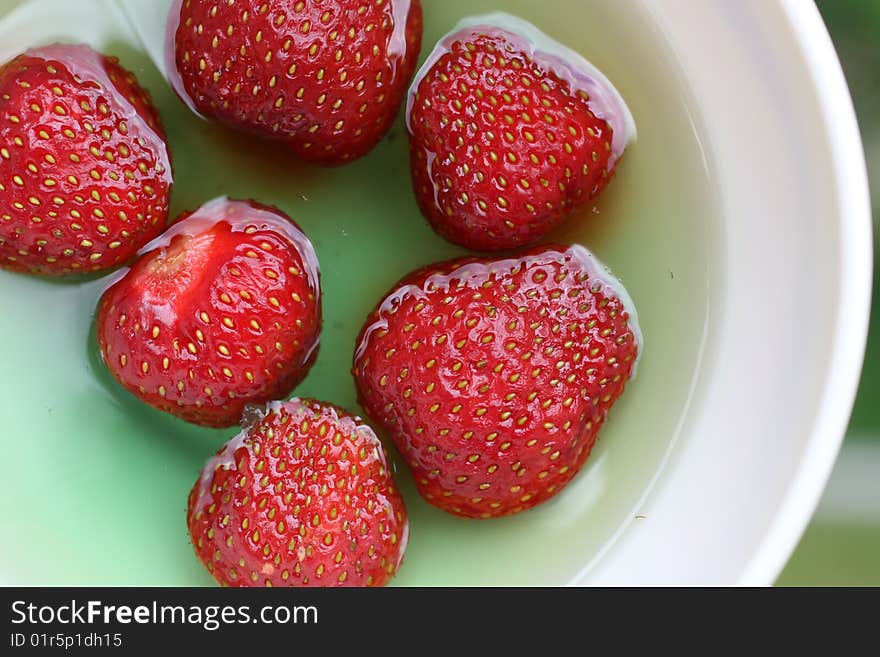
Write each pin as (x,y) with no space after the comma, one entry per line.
(774,398)
(784,340)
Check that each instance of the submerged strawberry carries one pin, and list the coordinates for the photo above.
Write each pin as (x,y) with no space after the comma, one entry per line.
(302,497)
(223,312)
(509,132)
(493,377)
(85,172)
(325,76)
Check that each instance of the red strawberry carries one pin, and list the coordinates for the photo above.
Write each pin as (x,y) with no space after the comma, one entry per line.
(224,311)
(303,497)
(325,76)
(85,172)
(493,377)
(509,132)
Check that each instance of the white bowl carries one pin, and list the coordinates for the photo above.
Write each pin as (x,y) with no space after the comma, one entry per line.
(731,486)
(776,390)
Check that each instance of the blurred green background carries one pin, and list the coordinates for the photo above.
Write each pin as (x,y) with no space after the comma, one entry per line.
(842,544)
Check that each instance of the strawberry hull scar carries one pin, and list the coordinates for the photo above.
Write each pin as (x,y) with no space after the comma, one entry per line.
(222,310)
(494,377)
(510,132)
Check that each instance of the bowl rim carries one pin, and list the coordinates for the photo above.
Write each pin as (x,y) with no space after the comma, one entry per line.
(826,81)
(854,293)
(762,556)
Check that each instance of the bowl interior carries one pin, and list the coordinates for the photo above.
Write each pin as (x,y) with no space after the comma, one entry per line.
(105,478)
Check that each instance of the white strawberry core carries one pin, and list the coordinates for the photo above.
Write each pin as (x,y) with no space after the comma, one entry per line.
(605,101)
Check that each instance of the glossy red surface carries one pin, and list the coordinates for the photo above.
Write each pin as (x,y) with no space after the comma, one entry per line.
(327,78)
(493,377)
(85,172)
(224,309)
(303,497)
(502,148)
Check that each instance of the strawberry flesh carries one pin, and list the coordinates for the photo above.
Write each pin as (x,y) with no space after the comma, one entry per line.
(507,140)
(224,310)
(326,77)
(302,497)
(493,377)
(85,173)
